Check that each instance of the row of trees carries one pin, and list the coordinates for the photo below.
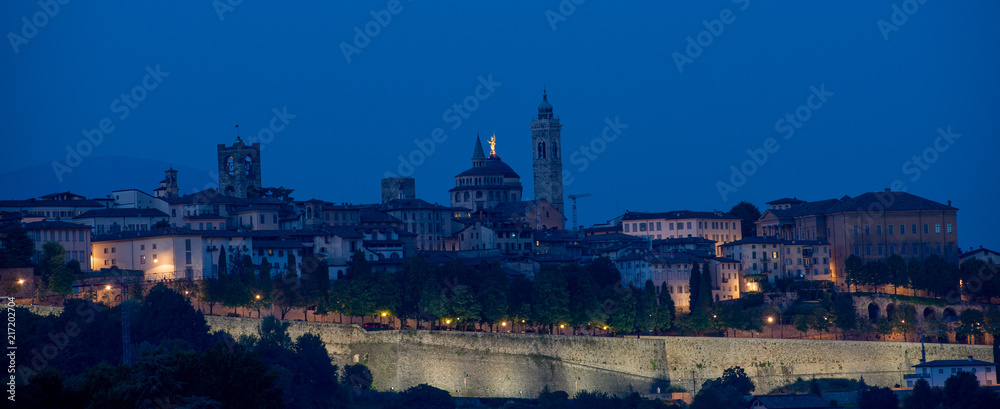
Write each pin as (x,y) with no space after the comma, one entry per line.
(933,275)
(450,294)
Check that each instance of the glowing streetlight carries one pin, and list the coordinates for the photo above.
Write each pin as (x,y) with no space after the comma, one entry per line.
(186,292)
(770,320)
(503,324)
(447,321)
(383,314)
(561,326)
(107,287)
(21,281)
(258,295)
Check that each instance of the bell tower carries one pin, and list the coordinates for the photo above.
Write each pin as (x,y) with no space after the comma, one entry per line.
(239,169)
(547,157)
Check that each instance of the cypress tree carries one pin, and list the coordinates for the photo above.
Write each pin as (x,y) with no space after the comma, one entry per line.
(694,285)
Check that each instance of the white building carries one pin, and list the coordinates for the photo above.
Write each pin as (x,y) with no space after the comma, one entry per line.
(937,372)
(716,226)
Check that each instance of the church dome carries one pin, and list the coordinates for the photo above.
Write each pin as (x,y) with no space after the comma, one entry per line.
(493,167)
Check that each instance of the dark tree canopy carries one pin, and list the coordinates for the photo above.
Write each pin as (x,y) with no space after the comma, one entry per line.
(748,214)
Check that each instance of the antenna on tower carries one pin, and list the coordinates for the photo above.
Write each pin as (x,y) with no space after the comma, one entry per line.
(237,129)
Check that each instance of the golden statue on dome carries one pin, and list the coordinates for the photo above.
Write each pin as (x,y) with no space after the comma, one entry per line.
(493,145)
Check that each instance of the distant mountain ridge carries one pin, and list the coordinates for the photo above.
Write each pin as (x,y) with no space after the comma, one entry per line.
(98,176)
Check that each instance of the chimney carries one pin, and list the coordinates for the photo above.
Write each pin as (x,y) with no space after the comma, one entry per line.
(949,203)
(970,358)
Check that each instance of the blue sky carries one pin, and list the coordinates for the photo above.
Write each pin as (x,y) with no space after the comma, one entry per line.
(888,91)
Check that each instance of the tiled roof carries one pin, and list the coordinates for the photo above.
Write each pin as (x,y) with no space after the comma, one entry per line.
(979,250)
(677,214)
(375,216)
(49,225)
(890,201)
(954,362)
(786,200)
(49,203)
(411,204)
(790,401)
(205,217)
(127,212)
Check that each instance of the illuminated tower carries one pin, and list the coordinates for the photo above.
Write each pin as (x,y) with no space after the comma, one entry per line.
(547,161)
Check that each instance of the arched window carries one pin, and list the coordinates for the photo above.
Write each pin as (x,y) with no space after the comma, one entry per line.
(555,150)
(466,196)
(231,166)
(458,197)
(249,162)
(541,150)
(479,194)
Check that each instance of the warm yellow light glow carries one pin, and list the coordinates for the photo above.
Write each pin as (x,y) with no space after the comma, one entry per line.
(503,324)
(107,287)
(21,281)
(448,321)
(383,314)
(187,292)
(605,327)
(493,145)
(258,295)
(522,321)
(156,260)
(561,326)
(770,319)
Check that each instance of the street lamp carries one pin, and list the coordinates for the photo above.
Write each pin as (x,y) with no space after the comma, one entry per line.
(770,320)
(21,281)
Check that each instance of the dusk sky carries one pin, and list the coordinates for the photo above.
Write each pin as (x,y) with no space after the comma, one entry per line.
(868,86)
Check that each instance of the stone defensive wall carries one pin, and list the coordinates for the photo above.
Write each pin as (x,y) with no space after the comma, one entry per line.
(520,365)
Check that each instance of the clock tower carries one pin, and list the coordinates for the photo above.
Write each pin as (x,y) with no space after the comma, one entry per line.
(547,157)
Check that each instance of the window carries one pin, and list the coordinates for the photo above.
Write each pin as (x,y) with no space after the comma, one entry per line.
(187,257)
(902,249)
(106,262)
(262,218)
(274,218)
(142,259)
(857,250)
(916,249)
(880,249)
(892,249)
(112,249)
(938,248)
(689,226)
(902,229)
(114,261)
(671,226)
(913,228)
(868,250)
(868,230)
(890,229)
(878,230)
(855,230)
(948,230)
(105,250)
(659,227)
(142,247)
(926,230)
(154,246)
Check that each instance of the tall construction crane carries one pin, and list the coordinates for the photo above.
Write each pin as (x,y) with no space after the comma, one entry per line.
(573,198)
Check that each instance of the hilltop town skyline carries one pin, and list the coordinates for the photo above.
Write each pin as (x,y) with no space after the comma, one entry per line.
(689,123)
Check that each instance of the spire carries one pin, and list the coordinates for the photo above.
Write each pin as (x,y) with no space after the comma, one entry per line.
(478,152)
(545,108)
